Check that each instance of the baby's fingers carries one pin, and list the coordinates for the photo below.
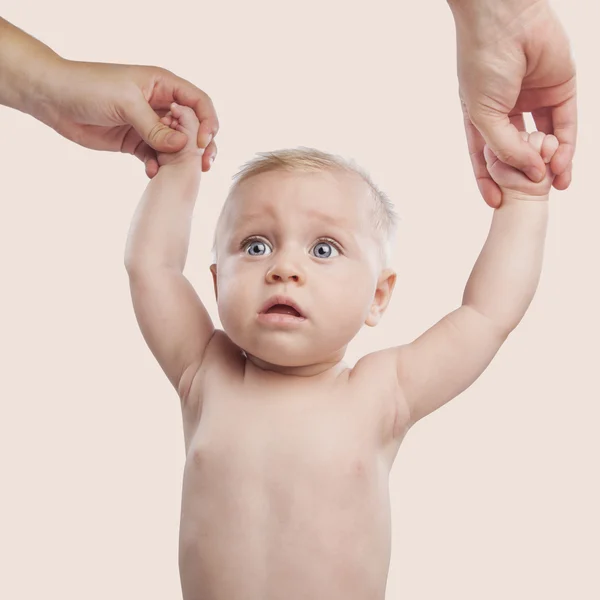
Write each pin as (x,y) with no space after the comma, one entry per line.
(549,148)
(543,143)
(170,121)
(186,116)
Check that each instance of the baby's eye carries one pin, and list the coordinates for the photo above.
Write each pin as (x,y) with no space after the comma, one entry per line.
(257,248)
(325,250)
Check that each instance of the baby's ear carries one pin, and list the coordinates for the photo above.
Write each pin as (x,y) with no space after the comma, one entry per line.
(213,270)
(383,295)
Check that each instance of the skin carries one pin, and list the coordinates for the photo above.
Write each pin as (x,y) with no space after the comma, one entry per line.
(514,57)
(101,106)
(289,450)
(289,207)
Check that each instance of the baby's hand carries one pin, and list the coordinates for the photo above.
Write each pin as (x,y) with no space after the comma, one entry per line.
(184,119)
(512,181)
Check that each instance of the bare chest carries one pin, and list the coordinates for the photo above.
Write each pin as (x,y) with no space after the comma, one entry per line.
(291,481)
(309,425)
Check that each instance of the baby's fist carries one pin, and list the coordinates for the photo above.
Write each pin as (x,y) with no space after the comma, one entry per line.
(512,181)
(183,119)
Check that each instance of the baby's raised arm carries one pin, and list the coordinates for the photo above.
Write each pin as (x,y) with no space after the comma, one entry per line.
(173,320)
(450,356)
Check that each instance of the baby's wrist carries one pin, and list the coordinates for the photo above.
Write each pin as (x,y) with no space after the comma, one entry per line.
(514,197)
(182,160)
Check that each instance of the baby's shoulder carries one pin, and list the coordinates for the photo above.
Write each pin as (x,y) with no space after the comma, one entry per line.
(376,375)
(223,356)
(377,369)
(222,361)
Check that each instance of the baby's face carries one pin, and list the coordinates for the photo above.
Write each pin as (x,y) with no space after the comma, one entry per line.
(306,238)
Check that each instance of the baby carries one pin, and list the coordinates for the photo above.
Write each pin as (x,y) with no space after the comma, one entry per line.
(285,489)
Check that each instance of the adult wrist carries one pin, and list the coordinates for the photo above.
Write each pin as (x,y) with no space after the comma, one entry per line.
(498,10)
(43,87)
(26,69)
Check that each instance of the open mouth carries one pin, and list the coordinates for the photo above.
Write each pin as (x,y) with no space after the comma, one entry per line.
(283,309)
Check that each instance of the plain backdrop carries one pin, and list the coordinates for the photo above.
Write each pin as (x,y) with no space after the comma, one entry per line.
(494,496)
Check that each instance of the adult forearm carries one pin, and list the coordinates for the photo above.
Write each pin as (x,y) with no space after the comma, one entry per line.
(506,274)
(26,67)
(160,230)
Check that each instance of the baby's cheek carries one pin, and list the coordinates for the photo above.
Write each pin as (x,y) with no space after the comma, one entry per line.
(349,296)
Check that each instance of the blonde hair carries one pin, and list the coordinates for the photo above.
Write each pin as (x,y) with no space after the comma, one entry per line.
(304,159)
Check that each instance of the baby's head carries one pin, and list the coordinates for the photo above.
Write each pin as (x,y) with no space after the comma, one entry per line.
(308,228)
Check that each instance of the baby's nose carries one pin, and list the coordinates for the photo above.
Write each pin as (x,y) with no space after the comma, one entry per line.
(278,277)
(283,273)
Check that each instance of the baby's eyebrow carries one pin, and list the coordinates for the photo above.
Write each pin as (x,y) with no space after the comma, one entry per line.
(245,221)
(338,221)
(341,225)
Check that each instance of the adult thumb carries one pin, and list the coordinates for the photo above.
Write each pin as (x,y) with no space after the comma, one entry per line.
(147,123)
(506,142)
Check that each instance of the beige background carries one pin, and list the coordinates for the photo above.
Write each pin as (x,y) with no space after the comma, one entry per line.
(495,496)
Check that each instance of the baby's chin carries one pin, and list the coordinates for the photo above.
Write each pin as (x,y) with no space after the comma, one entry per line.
(288,360)
(304,370)
(279,359)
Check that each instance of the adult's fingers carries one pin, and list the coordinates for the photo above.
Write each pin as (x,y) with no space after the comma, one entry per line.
(487,186)
(148,156)
(564,120)
(138,113)
(562,181)
(507,144)
(187,94)
(209,156)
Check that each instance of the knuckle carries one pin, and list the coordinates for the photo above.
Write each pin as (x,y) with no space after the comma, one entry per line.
(187,111)
(155,131)
(504,154)
(162,74)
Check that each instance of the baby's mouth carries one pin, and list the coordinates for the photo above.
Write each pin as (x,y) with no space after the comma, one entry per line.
(283,309)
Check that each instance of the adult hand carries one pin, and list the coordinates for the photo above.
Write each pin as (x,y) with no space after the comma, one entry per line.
(513,58)
(118,107)
(101,106)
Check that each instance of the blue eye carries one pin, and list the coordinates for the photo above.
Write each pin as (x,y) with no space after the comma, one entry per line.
(257,248)
(325,250)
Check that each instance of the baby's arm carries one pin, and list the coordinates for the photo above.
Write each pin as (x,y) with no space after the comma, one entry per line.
(450,356)
(173,320)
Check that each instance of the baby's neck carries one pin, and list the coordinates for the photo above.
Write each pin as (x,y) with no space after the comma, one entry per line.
(329,368)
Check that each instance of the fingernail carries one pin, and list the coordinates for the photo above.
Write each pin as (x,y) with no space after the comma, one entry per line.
(171,138)
(534,174)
